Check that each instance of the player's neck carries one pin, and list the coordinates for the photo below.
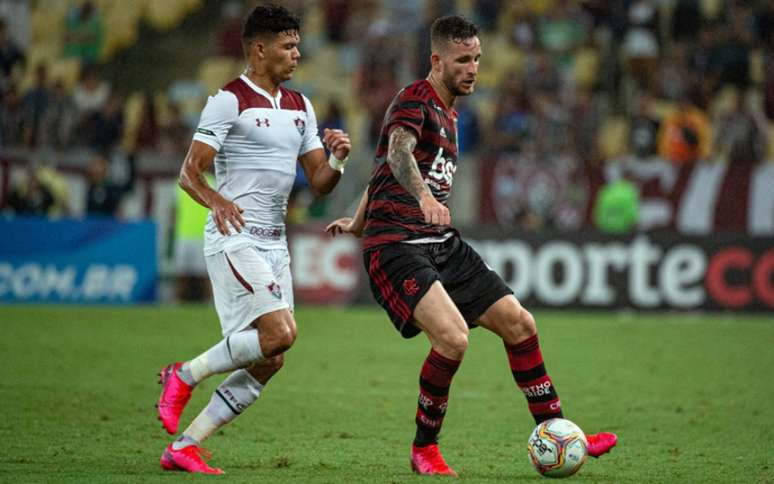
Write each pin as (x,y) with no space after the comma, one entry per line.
(263,81)
(442,91)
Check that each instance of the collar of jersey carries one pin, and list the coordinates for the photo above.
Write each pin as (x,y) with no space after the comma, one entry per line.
(263,92)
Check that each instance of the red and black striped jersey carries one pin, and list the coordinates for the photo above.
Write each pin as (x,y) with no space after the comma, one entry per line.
(392,214)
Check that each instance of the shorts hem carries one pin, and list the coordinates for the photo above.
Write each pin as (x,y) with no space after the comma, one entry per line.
(255,315)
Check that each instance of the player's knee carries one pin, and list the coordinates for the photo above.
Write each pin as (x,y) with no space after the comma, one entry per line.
(277,333)
(455,343)
(524,323)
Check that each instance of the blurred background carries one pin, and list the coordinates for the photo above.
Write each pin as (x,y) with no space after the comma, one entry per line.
(614,154)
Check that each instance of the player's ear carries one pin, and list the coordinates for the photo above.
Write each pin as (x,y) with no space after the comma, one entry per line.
(435,62)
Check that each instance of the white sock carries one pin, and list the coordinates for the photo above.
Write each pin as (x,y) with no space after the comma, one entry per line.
(231,398)
(238,350)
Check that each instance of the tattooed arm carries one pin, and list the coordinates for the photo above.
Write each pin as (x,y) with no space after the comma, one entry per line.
(404,168)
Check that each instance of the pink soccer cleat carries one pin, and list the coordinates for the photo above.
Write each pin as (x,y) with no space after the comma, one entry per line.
(429,461)
(601,443)
(188,459)
(175,393)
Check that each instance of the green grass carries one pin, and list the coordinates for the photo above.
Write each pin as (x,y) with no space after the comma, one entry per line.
(690,397)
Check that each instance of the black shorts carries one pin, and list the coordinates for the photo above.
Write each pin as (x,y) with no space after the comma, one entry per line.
(401,273)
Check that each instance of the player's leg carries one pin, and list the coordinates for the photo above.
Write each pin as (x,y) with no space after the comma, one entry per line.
(405,283)
(232,397)
(516,326)
(256,324)
(438,317)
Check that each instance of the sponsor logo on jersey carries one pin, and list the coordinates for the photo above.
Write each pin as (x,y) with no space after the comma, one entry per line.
(300,125)
(262,123)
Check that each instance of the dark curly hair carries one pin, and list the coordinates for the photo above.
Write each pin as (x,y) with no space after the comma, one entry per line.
(453,28)
(268,20)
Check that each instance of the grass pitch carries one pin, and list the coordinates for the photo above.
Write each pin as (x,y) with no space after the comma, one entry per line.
(690,397)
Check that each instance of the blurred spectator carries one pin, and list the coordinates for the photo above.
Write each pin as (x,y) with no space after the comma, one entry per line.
(35,103)
(229,34)
(513,122)
(741,133)
(107,124)
(764,23)
(83,33)
(337,14)
(57,123)
(147,136)
(103,197)
(334,117)
(11,117)
(377,88)
(585,119)
(562,30)
(686,20)
(684,136)
(468,130)
(640,43)
(11,57)
(32,197)
(732,53)
(617,207)
(175,134)
(89,97)
(644,128)
(486,13)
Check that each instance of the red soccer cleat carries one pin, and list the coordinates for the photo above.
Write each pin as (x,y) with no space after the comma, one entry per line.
(188,459)
(175,393)
(601,443)
(429,461)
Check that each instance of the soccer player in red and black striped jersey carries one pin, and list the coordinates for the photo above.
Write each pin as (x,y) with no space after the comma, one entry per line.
(421,272)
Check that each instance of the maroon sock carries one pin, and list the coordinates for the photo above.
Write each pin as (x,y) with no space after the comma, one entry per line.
(530,374)
(434,382)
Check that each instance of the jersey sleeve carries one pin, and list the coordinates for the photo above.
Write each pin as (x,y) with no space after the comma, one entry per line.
(408,112)
(218,116)
(311,139)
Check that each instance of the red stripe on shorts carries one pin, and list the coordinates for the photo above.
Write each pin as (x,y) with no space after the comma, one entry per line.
(393,300)
(239,276)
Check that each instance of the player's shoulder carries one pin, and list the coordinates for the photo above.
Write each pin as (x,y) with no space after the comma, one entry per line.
(293,100)
(419,91)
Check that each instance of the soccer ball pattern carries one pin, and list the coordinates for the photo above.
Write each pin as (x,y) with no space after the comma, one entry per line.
(557,448)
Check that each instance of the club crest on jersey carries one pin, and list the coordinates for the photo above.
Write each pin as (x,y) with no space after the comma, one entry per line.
(262,123)
(275,290)
(300,125)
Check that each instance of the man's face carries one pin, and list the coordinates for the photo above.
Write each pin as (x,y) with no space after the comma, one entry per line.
(458,61)
(282,55)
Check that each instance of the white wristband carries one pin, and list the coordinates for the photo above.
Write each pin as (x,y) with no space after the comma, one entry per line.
(336,163)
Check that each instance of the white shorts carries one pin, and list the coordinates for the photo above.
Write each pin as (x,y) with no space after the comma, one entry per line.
(249,282)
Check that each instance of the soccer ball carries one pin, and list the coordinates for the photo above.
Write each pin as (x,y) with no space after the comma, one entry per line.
(557,448)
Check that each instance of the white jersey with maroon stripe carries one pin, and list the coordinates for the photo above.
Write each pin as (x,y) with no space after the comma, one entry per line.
(259,138)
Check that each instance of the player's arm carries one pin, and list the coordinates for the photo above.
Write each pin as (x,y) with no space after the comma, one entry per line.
(199,158)
(400,157)
(323,174)
(354,225)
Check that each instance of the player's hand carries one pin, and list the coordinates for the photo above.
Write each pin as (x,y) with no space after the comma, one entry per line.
(226,212)
(434,211)
(337,142)
(344,225)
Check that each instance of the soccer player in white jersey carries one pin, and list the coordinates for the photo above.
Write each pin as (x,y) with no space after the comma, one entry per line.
(254,130)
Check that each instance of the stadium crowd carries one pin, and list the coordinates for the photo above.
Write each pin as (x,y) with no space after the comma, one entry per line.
(568,85)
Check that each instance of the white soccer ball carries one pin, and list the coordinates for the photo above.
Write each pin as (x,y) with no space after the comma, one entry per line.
(557,448)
